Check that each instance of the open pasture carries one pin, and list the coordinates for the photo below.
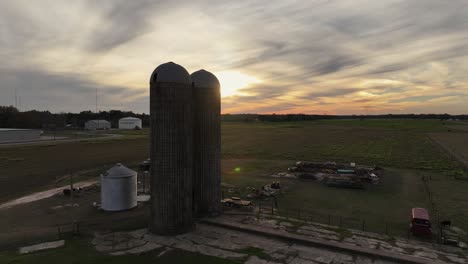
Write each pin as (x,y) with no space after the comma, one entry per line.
(253,151)
(454,143)
(400,143)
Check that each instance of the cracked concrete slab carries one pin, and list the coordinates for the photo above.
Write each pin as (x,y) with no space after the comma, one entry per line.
(41,246)
(230,243)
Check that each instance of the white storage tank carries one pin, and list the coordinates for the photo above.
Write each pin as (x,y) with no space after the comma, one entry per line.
(118,189)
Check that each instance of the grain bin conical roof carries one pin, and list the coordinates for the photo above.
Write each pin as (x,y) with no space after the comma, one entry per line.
(170,72)
(119,171)
(205,79)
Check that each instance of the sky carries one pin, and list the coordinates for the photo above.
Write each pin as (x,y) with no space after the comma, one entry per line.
(271,56)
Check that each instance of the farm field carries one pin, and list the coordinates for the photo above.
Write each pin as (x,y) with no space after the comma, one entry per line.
(25,169)
(253,151)
(32,168)
(456,143)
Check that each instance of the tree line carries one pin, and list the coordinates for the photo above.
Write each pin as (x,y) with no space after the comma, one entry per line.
(11,117)
(305,117)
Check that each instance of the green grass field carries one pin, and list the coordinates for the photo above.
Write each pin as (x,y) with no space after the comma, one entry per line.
(341,141)
(253,151)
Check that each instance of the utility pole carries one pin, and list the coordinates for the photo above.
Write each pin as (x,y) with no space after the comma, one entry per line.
(71,185)
(16,98)
(97,114)
(96,101)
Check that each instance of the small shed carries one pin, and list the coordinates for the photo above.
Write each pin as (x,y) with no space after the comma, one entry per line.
(97,125)
(118,189)
(130,123)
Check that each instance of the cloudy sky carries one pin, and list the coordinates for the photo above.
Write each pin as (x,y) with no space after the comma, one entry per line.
(316,57)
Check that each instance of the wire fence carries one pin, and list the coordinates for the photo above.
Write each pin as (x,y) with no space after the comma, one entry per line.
(374,225)
(436,209)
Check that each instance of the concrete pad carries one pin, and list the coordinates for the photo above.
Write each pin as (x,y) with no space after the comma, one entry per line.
(143,198)
(257,260)
(426,255)
(319,230)
(104,248)
(162,240)
(457,260)
(41,246)
(278,257)
(145,248)
(220,253)
(286,224)
(139,233)
(164,252)
(300,261)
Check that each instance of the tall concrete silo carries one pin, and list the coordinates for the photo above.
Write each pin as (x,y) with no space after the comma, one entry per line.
(207,143)
(171,151)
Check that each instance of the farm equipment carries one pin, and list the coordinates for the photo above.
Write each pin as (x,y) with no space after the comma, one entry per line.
(449,235)
(344,181)
(236,202)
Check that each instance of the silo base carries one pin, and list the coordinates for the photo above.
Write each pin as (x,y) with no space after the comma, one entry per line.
(170,231)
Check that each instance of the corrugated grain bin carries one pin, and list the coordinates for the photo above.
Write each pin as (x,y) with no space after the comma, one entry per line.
(171,150)
(207,143)
(118,189)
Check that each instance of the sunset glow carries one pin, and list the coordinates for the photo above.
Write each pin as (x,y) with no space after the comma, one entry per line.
(233,81)
(336,57)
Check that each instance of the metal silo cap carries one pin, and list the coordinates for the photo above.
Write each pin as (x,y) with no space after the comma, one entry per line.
(205,79)
(119,171)
(172,73)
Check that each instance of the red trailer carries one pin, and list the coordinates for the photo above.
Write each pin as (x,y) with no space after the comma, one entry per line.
(420,222)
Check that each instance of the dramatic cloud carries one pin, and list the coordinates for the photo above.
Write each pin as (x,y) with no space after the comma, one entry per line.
(322,56)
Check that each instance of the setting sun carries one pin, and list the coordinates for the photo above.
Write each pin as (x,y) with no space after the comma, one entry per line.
(233,81)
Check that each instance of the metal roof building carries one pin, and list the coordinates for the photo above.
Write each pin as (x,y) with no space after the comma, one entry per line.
(130,123)
(97,125)
(118,189)
(171,150)
(207,143)
(8,135)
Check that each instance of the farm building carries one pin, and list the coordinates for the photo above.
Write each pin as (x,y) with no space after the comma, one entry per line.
(97,125)
(14,135)
(130,123)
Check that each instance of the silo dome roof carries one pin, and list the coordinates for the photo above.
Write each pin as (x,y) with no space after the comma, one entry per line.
(119,171)
(205,79)
(171,72)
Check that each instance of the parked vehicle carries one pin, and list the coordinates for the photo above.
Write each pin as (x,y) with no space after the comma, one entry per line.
(420,222)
